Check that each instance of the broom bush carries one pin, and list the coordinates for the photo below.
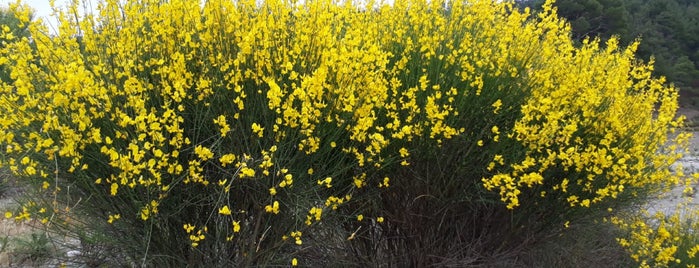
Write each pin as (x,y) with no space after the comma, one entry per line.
(326,132)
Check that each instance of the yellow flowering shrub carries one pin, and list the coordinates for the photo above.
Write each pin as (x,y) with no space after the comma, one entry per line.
(661,240)
(597,125)
(244,133)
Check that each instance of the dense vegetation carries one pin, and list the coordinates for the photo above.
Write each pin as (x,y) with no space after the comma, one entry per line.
(238,133)
(669,30)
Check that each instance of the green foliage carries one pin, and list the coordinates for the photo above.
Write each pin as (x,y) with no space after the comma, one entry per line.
(4,186)
(4,242)
(34,248)
(11,30)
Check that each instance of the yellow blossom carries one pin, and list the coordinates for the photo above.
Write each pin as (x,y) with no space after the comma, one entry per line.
(203,153)
(274,208)
(224,211)
(223,124)
(114,188)
(113,218)
(257,129)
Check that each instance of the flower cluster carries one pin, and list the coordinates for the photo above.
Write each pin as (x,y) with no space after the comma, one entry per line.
(593,140)
(661,240)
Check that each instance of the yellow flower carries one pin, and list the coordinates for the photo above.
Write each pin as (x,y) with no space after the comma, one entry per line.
(203,153)
(385,182)
(404,152)
(274,94)
(585,203)
(113,218)
(224,211)
(257,129)
(691,252)
(227,159)
(247,172)
(145,213)
(497,104)
(223,124)
(188,228)
(297,237)
(314,214)
(326,182)
(114,188)
(274,208)
(288,180)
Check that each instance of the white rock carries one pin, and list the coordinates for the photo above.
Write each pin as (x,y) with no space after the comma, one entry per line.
(73,253)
